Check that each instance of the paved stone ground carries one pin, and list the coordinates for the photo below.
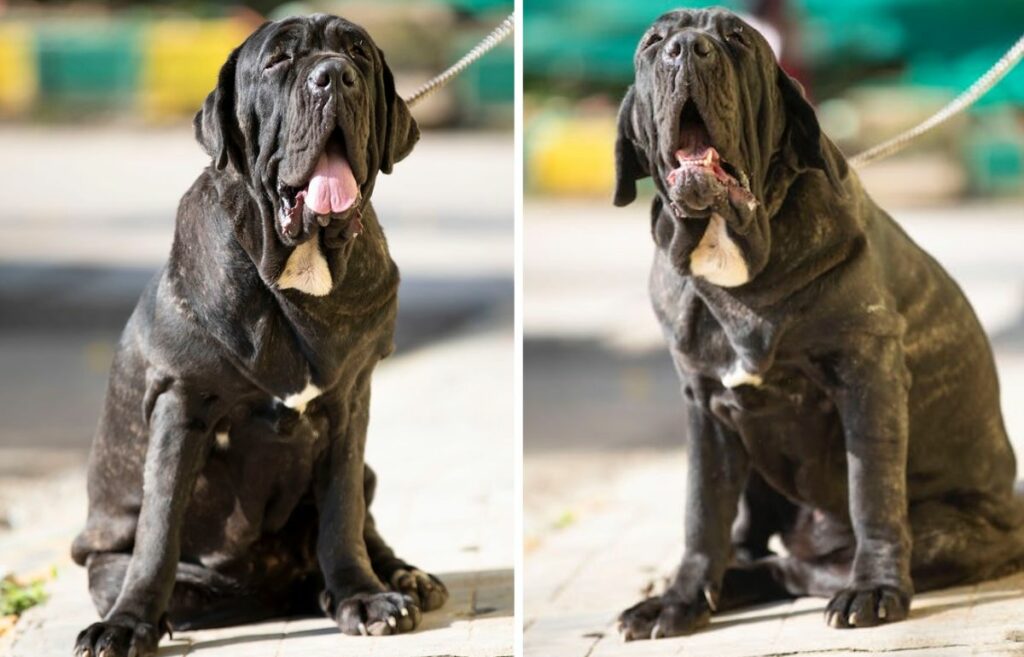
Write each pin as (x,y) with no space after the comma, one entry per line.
(441,442)
(604,467)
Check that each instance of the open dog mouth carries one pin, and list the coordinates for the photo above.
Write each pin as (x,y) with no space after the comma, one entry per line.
(330,190)
(701,177)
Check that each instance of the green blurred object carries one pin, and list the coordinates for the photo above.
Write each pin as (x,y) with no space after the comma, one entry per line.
(481,6)
(486,90)
(95,65)
(994,153)
(17,597)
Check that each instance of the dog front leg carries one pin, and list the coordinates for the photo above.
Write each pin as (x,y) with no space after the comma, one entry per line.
(353,596)
(871,397)
(179,437)
(717,467)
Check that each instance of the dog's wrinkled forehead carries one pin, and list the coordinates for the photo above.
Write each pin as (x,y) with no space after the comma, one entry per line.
(726,28)
(300,37)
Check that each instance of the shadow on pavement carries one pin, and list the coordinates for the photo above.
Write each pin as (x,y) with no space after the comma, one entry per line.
(585,395)
(473,594)
(582,394)
(60,325)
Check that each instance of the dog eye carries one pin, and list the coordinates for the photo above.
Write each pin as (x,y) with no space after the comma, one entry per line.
(359,50)
(735,33)
(276,60)
(651,39)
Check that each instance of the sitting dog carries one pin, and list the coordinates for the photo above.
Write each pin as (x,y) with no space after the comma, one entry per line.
(226,480)
(839,389)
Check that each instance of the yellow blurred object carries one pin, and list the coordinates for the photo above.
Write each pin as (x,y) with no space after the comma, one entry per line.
(180,62)
(573,157)
(19,79)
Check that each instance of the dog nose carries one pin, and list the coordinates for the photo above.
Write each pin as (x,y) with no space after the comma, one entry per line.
(701,45)
(686,42)
(330,73)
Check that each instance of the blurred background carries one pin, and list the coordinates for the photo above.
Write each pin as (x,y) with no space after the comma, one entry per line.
(601,397)
(96,148)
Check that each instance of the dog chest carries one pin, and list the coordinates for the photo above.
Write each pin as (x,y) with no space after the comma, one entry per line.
(702,343)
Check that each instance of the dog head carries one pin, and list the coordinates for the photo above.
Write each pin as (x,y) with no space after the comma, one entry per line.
(305,112)
(721,128)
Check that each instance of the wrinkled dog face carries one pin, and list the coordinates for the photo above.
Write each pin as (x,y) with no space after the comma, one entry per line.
(306,110)
(714,119)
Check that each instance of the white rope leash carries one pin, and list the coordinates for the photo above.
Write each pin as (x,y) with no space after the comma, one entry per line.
(959,104)
(499,34)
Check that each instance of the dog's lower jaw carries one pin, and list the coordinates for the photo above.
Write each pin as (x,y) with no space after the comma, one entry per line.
(717,258)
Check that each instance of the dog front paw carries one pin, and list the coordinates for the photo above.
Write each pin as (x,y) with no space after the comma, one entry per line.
(867,607)
(663,616)
(117,637)
(372,614)
(428,591)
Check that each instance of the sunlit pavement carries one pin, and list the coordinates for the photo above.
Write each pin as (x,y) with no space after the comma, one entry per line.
(604,463)
(441,430)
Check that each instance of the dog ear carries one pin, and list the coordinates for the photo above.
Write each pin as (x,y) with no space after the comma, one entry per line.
(215,125)
(629,164)
(804,132)
(400,130)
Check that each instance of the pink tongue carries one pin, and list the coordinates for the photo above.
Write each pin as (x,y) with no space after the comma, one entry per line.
(333,188)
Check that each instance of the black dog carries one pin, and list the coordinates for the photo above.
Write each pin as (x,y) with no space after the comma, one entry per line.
(839,388)
(226,481)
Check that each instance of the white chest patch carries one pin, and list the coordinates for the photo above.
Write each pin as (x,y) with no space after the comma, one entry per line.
(299,400)
(738,376)
(717,258)
(306,271)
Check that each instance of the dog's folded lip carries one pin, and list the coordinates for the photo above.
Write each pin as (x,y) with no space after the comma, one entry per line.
(292,197)
(337,135)
(695,153)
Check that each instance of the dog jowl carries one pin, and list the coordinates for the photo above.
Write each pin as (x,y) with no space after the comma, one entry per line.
(226,479)
(839,390)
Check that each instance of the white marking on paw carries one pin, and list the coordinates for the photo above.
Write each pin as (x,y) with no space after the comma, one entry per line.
(299,400)
(306,271)
(739,376)
(717,258)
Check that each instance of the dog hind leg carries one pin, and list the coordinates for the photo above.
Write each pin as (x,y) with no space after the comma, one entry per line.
(762,513)
(200,599)
(959,543)
(775,578)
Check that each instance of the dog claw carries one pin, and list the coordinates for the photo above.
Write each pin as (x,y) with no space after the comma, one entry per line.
(711,597)
(392,622)
(363,630)
(656,631)
(405,612)
(852,620)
